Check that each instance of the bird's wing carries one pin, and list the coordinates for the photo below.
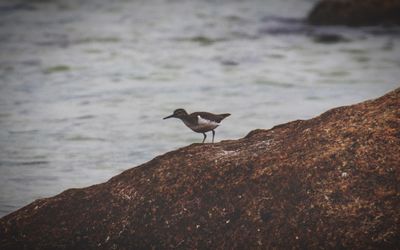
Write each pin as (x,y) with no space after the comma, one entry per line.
(204,121)
(211,117)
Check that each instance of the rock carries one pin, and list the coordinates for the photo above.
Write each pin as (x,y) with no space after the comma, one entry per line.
(328,182)
(329,38)
(356,12)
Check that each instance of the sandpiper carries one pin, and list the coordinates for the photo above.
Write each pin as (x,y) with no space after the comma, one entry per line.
(200,122)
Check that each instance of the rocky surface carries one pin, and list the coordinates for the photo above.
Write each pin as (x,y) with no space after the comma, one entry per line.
(328,182)
(356,12)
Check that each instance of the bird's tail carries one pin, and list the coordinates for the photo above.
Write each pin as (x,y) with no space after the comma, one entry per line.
(224,115)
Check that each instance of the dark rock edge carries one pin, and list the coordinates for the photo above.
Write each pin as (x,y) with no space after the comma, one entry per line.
(356,13)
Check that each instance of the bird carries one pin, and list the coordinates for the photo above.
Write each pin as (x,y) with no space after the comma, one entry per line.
(199,122)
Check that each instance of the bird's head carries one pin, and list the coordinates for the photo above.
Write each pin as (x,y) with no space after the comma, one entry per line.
(178,113)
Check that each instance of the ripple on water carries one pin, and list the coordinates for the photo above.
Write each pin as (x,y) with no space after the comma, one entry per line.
(362,59)
(354,51)
(4,115)
(335,73)
(202,40)
(84,138)
(93,51)
(313,98)
(23,131)
(85,117)
(286,85)
(56,69)
(34,179)
(97,40)
(23,163)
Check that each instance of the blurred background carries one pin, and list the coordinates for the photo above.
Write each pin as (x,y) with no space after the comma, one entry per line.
(84,85)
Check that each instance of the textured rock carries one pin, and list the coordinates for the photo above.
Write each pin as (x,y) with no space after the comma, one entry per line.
(328,182)
(356,12)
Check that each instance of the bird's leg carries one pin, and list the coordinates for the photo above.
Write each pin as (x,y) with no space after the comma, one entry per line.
(213,135)
(205,136)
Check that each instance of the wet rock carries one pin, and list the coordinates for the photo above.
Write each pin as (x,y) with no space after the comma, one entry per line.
(328,182)
(329,38)
(356,12)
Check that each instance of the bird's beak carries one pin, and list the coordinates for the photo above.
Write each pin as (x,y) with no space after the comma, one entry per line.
(170,116)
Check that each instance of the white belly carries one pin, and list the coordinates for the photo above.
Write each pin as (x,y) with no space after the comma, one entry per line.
(203,125)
